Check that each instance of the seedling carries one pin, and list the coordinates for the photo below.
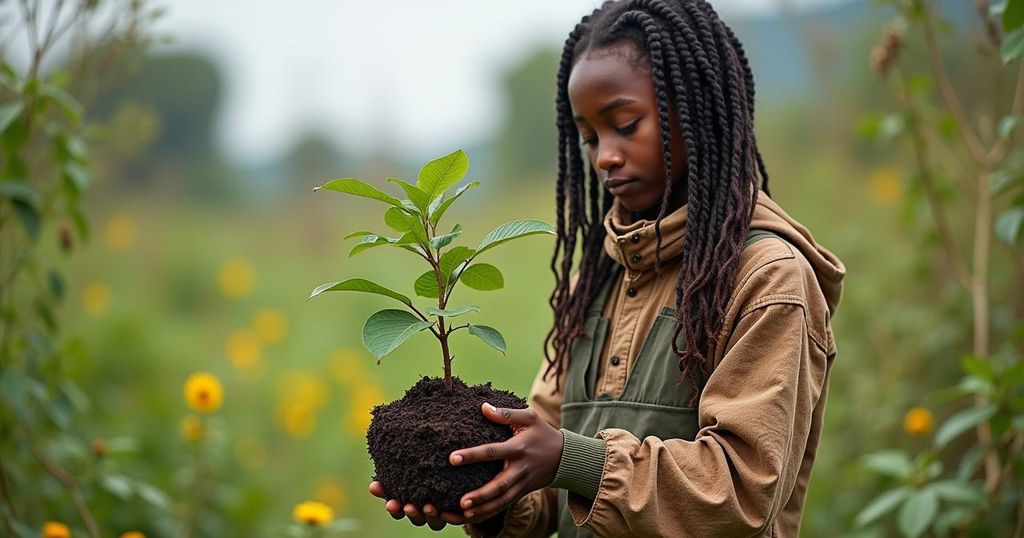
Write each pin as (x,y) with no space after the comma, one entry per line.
(416,220)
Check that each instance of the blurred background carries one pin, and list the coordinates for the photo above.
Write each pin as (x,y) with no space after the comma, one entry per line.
(200,239)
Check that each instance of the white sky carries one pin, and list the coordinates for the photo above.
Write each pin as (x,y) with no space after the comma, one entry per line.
(418,75)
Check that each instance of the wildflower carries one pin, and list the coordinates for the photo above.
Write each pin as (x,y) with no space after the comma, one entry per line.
(884,186)
(313,513)
(96,298)
(357,419)
(270,326)
(132,534)
(243,348)
(236,278)
(203,392)
(331,493)
(56,529)
(192,428)
(918,421)
(99,448)
(121,233)
(887,51)
(297,419)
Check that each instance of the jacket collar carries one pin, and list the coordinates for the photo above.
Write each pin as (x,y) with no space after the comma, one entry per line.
(633,243)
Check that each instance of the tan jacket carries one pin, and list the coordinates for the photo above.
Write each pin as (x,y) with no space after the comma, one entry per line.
(760,413)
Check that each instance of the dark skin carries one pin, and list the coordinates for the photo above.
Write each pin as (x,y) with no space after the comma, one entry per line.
(616,112)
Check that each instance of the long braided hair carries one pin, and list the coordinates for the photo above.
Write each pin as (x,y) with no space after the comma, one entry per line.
(697,62)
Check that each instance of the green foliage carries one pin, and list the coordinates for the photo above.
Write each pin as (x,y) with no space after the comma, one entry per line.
(417,218)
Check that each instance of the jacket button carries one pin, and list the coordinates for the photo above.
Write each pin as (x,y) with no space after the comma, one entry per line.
(615,360)
(631,292)
(635,238)
(636,258)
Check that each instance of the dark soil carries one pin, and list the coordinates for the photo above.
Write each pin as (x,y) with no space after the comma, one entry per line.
(410,439)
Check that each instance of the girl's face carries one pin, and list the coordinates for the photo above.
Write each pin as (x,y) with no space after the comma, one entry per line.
(616,111)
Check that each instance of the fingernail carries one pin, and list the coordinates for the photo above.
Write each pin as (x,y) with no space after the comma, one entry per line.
(469,514)
(467,503)
(491,407)
(456,459)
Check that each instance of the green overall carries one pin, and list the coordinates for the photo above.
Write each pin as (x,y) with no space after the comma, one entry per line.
(652,403)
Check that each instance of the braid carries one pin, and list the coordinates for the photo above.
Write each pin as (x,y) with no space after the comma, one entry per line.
(701,79)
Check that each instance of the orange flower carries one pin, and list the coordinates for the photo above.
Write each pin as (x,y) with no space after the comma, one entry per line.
(56,529)
(918,421)
(313,513)
(203,392)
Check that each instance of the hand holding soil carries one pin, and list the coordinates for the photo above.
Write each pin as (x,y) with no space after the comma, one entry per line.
(531,458)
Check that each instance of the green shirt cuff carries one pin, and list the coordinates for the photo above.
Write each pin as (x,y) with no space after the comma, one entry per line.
(582,464)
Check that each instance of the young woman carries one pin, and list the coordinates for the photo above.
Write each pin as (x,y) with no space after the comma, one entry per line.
(688,365)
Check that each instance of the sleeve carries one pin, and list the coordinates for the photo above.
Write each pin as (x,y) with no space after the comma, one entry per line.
(737,475)
(536,514)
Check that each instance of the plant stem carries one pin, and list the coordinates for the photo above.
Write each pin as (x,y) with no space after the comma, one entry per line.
(7,498)
(69,482)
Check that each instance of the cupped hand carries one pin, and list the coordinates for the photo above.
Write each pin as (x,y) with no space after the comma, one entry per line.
(428,515)
(531,458)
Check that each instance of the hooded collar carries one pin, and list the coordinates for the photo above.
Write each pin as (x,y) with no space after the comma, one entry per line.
(632,243)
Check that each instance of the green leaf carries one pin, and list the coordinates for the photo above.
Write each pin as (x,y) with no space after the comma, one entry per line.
(958,491)
(1009,224)
(489,335)
(514,230)
(118,485)
(977,366)
(483,277)
(426,285)
(1013,15)
(1007,125)
(418,198)
(356,187)
(891,126)
(400,221)
(439,174)
(451,259)
(961,422)
(387,329)
(77,177)
(1013,46)
(29,217)
(152,495)
(8,113)
(436,214)
(917,513)
(894,463)
(20,190)
(360,284)
(70,106)
(454,311)
(360,233)
(368,242)
(881,505)
(442,241)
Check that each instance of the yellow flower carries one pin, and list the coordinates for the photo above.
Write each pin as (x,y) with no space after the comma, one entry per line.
(884,186)
(192,428)
(303,388)
(236,278)
(96,298)
(918,421)
(132,534)
(297,419)
(243,348)
(55,529)
(270,326)
(313,513)
(331,493)
(203,392)
(357,419)
(251,452)
(122,232)
(348,367)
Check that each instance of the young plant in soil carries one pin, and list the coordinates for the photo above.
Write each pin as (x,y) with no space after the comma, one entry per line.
(409,439)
